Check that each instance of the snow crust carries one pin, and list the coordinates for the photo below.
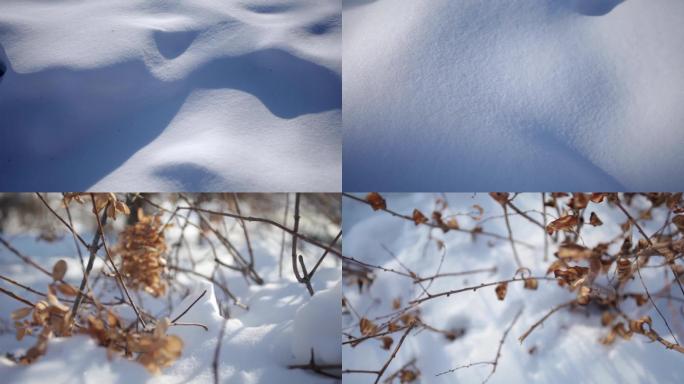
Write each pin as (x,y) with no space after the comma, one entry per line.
(167,95)
(513,95)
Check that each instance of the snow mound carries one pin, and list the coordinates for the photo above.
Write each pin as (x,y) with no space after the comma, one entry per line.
(317,326)
(515,95)
(170,95)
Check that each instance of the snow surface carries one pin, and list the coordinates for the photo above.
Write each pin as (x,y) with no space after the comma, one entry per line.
(258,344)
(567,347)
(516,95)
(170,95)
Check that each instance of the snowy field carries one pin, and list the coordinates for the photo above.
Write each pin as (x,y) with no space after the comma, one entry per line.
(159,95)
(271,327)
(518,94)
(465,328)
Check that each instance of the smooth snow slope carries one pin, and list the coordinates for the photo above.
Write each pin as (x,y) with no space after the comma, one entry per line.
(515,95)
(167,95)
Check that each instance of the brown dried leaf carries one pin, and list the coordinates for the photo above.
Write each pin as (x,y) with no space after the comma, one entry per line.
(678,221)
(531,284)
(367,327)
(583,295)
(597,197)
(67,289)
(387,342)
(21,313)
(376,201)
(418,217)
(500,197)
(594,220)
(59,270)
(564,223)
(571,251)
(501,290)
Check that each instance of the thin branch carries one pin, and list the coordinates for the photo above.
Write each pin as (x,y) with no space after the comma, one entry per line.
(62,220)
(188,308)
(476,287)
(320,369)
(394,353)
(217,352)
(282,239)
(541,321)
(15,297)
(454,274)
(432,225)
(25,258)
(111,261)
(510,236)
(93,247)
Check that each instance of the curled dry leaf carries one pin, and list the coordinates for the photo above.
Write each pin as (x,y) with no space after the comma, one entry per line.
(59,270)
(594,220)
(376,201)
(408,376)
(501,290)
(418,217)
(387,342)
(573,276)
(367,327)
(624,269)
(480,211)
(565,223)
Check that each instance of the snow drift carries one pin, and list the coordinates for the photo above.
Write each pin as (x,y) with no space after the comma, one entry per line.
(203,95)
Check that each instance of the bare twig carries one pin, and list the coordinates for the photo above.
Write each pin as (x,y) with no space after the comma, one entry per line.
(188,308)
(217,352)
(541,321)
(394,353)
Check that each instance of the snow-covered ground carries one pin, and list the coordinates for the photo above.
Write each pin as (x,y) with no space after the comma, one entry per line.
(517,94)
(170,95)
(282,323)
(565,349)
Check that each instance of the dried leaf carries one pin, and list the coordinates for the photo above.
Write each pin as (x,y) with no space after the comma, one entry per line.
(678,221)
(67,289)
(500,197)
(531,284)
(418,217)
(376,201)
(387,342)
(21,313)
(59,270)
(583,295)
(571,251)
(594,220)
(597,197)
(367,327)
(564,223)
(501,290)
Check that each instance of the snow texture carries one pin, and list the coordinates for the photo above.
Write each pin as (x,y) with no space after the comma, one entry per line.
(567,346)
(513,95)
(170,95)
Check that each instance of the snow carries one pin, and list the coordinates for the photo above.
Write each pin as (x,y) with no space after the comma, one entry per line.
(517,95)
(277,330)
(567,346)
(172,95)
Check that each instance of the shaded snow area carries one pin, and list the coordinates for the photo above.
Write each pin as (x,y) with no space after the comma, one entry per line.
(517,94)
(279,328)
(170,95)
(466,327)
